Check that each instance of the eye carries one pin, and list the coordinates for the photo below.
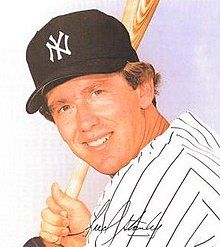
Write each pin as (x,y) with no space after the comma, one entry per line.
(64,108)
(97,92)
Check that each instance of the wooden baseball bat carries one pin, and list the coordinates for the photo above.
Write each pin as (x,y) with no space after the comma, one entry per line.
(77,178)
(136,18)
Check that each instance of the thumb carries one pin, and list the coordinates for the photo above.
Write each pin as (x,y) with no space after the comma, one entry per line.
(61,198)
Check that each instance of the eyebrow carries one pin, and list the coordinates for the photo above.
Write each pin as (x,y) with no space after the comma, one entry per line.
(92,86)
(52,105)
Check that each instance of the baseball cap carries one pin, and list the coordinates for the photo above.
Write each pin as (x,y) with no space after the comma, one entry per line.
(76,44)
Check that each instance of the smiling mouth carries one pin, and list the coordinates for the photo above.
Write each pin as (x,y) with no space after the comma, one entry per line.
(99,142)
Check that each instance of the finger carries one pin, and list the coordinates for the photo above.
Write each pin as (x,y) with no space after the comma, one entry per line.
(73,241)
(55,208)
(54,219)
(48,237)
(60,198)
(55,230)
(47,244)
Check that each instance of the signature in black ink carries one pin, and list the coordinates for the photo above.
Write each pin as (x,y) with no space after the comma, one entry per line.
(135,227)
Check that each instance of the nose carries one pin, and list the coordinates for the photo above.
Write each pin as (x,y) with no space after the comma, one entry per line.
(86,117)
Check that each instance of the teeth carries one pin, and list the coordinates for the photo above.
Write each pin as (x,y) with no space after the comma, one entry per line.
(99,141)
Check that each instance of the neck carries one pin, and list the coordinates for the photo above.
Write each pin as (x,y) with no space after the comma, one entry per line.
(155,124)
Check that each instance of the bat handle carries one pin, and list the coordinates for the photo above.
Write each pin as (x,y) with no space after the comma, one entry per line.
(73,189)
(77,178)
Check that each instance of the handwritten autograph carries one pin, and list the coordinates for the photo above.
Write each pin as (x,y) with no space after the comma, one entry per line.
(135,227)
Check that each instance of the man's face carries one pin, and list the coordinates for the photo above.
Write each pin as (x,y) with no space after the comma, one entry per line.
(100,118)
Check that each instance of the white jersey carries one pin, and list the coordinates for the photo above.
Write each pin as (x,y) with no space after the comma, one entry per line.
(169,195)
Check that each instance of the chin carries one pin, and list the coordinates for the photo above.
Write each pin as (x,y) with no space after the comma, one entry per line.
(105,163)
(107,168)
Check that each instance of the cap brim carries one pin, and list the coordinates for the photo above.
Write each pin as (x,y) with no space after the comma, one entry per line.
(102,65)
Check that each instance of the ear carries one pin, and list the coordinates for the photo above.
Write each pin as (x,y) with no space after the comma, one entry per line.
(146,92)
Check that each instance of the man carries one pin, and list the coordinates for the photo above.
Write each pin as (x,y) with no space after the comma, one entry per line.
(165,180)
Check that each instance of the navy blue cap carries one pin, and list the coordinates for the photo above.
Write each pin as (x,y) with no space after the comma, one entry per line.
(76,44)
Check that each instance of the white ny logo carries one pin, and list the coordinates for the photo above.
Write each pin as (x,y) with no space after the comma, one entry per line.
(56,46)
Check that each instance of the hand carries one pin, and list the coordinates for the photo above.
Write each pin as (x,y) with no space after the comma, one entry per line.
(64,216)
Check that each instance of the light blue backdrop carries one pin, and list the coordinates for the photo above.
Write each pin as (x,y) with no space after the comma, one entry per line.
(182,42)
